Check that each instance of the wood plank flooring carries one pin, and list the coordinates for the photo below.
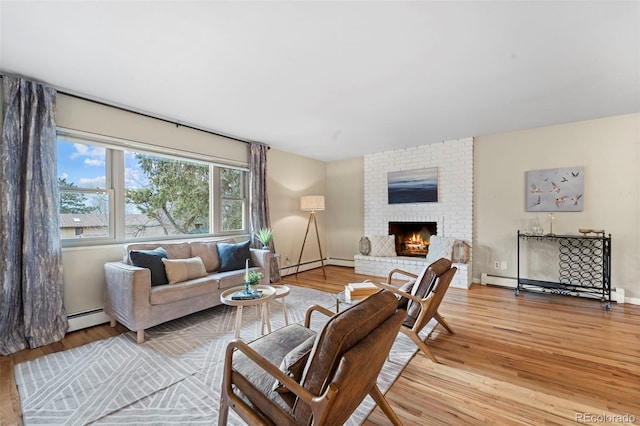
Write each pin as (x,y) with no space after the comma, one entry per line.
(531,359)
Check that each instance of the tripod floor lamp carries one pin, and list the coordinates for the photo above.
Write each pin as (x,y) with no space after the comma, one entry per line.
(312,204)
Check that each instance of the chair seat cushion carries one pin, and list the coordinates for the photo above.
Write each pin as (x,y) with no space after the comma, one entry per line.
(293,363)
(274,347)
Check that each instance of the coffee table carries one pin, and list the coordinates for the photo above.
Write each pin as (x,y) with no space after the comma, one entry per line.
(268,293)
(342,298)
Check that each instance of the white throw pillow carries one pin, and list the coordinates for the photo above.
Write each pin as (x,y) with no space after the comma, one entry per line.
(383,245)
(440,247)
(179,270)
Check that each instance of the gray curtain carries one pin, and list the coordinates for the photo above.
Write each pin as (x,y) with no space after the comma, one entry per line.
(259,200)
(31,287)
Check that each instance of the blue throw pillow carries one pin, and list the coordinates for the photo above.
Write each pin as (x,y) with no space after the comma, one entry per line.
(233,256)
(152,260)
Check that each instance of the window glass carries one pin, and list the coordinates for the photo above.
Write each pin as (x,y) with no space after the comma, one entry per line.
(165,196)
(107,191)
(84,205)
(232,190)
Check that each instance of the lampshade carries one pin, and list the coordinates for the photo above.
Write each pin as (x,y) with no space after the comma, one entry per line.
(312,203)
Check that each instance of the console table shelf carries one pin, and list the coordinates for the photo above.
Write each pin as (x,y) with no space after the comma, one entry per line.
(584,266)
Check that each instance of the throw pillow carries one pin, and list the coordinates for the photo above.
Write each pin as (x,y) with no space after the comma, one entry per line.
(422,287)
(383,245)
(233,256)
(179,270)
(208,252)
(152,260)
(294,362)
(440,247)
(406,288)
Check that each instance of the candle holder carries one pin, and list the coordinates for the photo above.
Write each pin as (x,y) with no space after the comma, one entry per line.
(551,218)
(247,287)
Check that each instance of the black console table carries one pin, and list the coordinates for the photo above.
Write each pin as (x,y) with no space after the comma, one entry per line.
(584,266)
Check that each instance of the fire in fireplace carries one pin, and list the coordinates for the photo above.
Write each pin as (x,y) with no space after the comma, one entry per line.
(412,238)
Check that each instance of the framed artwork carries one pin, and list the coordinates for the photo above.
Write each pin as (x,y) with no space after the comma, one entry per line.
(413,186)
(555,190)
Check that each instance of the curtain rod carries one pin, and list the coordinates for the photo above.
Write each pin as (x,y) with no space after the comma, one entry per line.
(143,114)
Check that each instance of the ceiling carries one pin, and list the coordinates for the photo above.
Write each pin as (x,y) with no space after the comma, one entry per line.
(336,80)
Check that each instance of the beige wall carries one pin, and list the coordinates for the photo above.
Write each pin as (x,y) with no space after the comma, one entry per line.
(607,148)
(345,208)
(78,114)
(291,176)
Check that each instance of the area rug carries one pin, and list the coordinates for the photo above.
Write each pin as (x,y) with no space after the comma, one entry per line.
(173,378)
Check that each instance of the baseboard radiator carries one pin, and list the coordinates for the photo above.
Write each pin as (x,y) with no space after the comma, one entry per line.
(487,279)
(80,320)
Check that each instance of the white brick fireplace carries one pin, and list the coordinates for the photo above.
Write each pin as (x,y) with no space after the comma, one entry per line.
(453,213)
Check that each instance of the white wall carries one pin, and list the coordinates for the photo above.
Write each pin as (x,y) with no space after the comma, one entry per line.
(607,148)
(453,212)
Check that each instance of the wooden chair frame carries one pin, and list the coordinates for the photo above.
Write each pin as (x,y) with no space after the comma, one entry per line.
(428,306)
(320,404)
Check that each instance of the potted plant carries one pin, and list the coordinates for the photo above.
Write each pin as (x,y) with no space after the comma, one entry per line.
(254,277)
(264,236)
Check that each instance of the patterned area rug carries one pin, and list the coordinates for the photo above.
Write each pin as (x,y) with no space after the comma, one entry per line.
(173,378)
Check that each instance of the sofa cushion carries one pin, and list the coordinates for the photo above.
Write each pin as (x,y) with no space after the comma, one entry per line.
(152,260)
(293,363)
(233,256)
(179,292)
(174,250)
(179,270)
(208,252)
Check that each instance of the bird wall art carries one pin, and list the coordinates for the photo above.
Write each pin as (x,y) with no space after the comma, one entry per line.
(554,190)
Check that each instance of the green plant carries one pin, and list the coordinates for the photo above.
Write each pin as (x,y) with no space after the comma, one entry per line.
(264,236)
(254,277)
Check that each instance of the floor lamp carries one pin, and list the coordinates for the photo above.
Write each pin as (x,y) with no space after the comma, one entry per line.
(312,204)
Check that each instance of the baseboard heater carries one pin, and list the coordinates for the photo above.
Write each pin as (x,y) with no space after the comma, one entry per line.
(487,279)
(80,320)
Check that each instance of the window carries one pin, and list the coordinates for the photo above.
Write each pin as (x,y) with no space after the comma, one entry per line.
(109,192)
(85,199)
(165,196)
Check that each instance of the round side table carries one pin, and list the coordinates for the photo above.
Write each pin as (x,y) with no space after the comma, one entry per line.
(281,292)
(268,293)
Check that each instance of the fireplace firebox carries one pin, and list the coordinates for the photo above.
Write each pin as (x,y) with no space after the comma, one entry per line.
(412,238)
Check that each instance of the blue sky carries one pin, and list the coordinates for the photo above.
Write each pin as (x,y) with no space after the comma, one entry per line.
(85,166)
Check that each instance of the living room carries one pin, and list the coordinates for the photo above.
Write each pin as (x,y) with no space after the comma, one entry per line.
(494,165)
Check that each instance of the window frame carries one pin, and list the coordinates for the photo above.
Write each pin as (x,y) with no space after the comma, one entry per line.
(115,186)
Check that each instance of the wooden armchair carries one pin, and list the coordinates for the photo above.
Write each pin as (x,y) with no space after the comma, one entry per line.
(421,298)
(271,381)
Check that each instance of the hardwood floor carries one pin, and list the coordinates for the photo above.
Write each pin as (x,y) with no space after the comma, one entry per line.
(531,359)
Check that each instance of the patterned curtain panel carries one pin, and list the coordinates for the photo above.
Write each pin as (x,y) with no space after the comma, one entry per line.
(31,286)
(259,201)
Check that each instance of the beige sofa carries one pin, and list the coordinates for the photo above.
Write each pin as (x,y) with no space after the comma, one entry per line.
(135,303)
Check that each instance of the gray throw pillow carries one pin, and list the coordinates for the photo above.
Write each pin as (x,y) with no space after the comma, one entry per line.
(423,286)
(294,362)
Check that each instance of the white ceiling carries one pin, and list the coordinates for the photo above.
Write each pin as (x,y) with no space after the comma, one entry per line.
(335,80)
